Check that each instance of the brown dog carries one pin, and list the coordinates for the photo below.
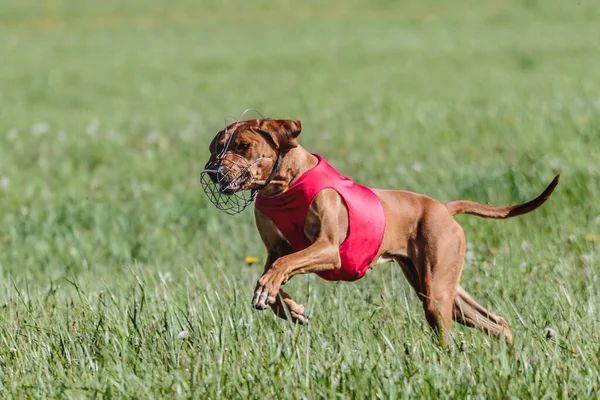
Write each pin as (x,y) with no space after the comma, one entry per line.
(420,233)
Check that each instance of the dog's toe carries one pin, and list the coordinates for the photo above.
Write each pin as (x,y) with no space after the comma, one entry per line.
(260,301)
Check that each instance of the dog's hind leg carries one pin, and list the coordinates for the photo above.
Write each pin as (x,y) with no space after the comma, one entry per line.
(470,313)
(441,265)
(296,311)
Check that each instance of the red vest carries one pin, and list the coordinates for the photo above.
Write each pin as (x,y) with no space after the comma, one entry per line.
(365,214)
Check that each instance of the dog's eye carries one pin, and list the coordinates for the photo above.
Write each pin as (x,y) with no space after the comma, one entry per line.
(243,146)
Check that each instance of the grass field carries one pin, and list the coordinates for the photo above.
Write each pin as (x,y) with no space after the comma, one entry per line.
(109,248)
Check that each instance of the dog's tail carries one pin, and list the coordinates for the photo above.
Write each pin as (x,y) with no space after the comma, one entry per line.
(470,207)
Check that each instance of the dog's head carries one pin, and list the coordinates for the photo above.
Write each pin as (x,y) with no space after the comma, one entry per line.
(244,155)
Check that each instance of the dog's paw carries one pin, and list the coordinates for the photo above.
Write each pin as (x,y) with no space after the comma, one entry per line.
(296,311)
(301,319)
(266,291)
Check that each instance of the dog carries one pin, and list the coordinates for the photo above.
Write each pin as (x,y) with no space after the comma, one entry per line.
(311,219)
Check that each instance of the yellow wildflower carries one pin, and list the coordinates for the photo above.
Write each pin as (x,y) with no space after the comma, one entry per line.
(251,260)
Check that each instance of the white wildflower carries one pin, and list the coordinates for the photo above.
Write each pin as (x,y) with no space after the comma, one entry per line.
(166,277)
(40,129)
(12,134)
(523,265)
(418,167)
(554,163)
(183,335)
(4,182)
(92,128)
(470,257)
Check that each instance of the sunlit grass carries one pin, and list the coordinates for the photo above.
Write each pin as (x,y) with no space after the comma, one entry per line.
(110,253)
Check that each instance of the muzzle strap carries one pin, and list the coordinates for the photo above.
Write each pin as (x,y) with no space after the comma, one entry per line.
(272,175)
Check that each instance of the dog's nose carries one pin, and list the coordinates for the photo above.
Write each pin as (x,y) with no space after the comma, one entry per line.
(213,176)
(216,174)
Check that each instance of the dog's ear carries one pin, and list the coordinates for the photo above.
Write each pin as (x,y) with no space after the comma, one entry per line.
(283,132)
(212,147)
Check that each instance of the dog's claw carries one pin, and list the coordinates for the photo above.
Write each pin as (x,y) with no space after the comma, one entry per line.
(260,300)
(302,319)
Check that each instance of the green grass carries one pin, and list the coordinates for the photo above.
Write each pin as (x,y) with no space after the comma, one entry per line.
(109,249)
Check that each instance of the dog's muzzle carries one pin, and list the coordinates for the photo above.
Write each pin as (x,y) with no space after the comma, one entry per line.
(224,182)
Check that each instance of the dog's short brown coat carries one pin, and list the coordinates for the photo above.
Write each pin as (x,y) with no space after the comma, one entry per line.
(421,234)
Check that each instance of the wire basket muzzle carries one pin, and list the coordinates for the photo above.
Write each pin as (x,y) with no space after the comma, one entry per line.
(225,182)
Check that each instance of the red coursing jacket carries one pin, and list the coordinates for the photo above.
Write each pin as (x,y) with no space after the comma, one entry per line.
(366,226)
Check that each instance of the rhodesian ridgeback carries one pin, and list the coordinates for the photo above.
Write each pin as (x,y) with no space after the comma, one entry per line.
(420,234)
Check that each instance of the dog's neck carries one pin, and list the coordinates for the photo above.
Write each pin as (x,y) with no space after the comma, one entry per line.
(293,165)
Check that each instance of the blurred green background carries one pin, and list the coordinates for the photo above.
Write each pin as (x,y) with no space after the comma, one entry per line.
(106,113)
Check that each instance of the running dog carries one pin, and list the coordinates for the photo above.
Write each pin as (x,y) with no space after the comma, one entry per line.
(314,220)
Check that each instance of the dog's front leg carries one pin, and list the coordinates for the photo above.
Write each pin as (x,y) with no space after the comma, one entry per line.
(322,228)
(320,256)
(283,301)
